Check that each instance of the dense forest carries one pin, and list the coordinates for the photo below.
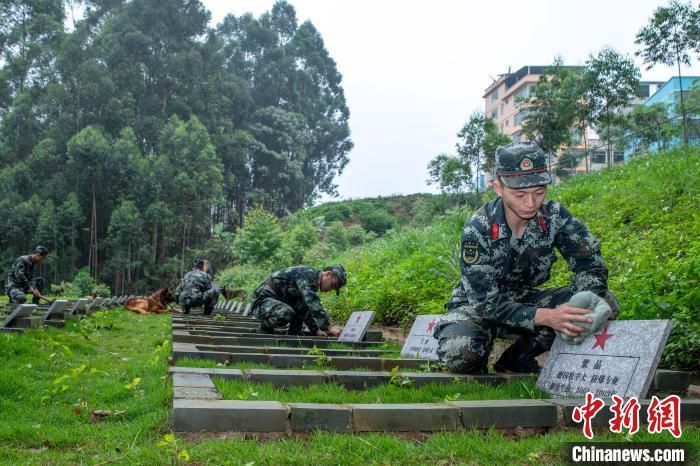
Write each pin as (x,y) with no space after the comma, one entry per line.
(133,133)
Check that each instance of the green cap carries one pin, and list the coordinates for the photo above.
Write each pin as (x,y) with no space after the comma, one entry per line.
(41,250)
(522,165)
(339,271)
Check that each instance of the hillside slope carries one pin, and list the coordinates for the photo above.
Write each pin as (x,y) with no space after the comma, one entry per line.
(645,214)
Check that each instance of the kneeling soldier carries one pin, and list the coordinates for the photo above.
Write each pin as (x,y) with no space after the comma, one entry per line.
(507,251)
(197,289)
(290,296)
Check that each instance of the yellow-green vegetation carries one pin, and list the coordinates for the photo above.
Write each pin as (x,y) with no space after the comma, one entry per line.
(399,390)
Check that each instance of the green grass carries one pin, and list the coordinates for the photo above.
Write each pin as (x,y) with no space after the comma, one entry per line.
(386,393)
(121,346)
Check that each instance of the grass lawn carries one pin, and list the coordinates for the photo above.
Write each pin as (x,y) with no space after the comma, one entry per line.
(53,379)
(386,393)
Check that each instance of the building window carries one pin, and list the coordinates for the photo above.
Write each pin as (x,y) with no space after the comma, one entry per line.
(494,95)
(494,113)
(618,156)
(598,156)
(520,117)
(507,122)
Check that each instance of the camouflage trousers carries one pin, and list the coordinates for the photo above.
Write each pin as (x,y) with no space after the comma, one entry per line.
(19,295)
(273,313)
(465,339)
(190,298)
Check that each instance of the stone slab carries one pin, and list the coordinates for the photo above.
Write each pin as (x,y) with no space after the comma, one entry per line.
(228,374)
(287,378)
(420,342)
(228,415)
(670,381)
(196,393)
(408,417)
(192,380)
(356,326)
(306,417)
(29,321)
(506,413)
(618,360)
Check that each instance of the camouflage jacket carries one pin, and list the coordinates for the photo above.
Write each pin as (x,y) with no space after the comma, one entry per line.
(497,267)
(194,280)
(21,275)
(297,287)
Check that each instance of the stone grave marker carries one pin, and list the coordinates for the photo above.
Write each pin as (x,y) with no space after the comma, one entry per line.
(22,310)
(56,310)
(247,309)
(78,308)
(356,326)
(420,342)
(620,359)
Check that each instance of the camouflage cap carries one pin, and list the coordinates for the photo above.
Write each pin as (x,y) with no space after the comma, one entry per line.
(339,271)
(198,264)
(522,165)
(41,250)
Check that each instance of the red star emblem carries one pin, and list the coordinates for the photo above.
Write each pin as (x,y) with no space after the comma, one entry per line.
(359,318)
(431,325)
(601,338)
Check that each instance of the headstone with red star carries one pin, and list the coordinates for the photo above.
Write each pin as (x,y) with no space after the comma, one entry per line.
(420,342)
(620,360)
(356,326)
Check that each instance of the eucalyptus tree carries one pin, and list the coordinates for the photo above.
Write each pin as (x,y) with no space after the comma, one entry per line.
(88,158)
(611,81)
(191,176)
(30,31)
(669,37)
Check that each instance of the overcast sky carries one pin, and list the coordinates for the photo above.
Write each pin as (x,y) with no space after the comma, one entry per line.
(414,70)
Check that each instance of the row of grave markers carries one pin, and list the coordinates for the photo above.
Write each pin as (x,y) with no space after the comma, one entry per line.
(620,360)
(20,316)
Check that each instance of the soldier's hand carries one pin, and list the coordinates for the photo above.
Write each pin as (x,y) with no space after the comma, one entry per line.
(36,293)
(320,333)
(334,331)
(563,319)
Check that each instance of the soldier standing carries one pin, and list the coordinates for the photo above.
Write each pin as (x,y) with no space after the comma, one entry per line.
(290,296)
(196,289)
(507,250)
(21,279)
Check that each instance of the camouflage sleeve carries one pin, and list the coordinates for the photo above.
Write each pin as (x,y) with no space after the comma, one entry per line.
(316,316)
(19,275)
(582,252)
(481,287)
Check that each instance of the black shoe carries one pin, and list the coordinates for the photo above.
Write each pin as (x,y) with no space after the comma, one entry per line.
(517,366)
(266,330)
(185,310)
(519,358)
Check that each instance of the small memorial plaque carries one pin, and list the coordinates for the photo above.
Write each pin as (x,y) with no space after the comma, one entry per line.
(620,359)
(420,342)
(356,326)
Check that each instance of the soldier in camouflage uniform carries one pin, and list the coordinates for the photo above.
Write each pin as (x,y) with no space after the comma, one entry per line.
(197,289)
(21,279)
(290,296)
(507,250)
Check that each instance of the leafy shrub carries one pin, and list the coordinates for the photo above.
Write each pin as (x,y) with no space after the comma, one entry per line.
(377,221)
(82,285)
(258,241)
